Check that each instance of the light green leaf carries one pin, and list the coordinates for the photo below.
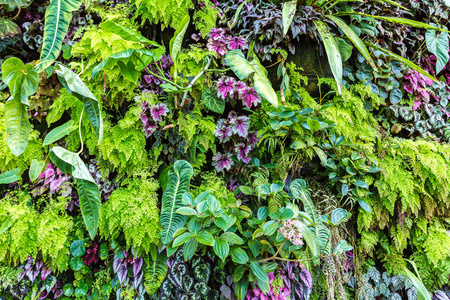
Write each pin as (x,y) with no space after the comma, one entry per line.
(176,42)
(345,48)
(438,45)
(243,68)
(232,238)
(212,102)
(179,180)
(6,224)
(221,248)
(288,13)
(205,238)
(181,239)
(259,272)
(59,132)
(21,79)
(76,87)
(186,211)
(17,125)
(239,256)
(339,216)
(126,33)
(240,289)
(8,28)
(10,176)
(341,247)
(422,292)
(270,228)
(365,206)
(57,19)
(35,169)
(332,50)
(128,71)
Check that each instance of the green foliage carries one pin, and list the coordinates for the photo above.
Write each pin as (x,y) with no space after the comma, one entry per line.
(211,181)
(206,18)
(133,210)
(168,12)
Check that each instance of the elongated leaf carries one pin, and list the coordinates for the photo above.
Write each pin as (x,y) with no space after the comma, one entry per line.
(402,21)
(259,272)
(179,180)
(155,273)
(177,40)
(332,50)
(243,69)
(76,87)
(17,125)
(15,3)
(21,79)
(181,239)
(6,224)
(126,33)
(189,248)
(288,13)
(221,248)
(205,238)
(57,19)
(239,256)
(89,195)
(393,3)
(422,292)
(438,45)
(240,289)
(10,176)
(403,60)
(35,169)
(354,39)
(59,132)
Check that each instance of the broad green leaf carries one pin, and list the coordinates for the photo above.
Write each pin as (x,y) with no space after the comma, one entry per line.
(212,102)
(404,60)
(205,238)
(310,241)
(288,13)
(17,125)
(396,96)
(263,212)
(339,216)
(354,39)
(154,274)
(68,290)
(35,169)
(186,211)
(332,50)
(76,263)
(361,184)
(59,132)
(77,248)
(128,71)
(246,190)
(181,239)
(179,181)
(345,48)
(221,223)
(259,272)
(221,248)
(69,162)
(57,19)
(8,28)
(239,256)
(341,247)
(6,224)
(240,288)
(21,79)
(126,33)
(90,204)
(438,45)
(243,68)
(15,3)
(422,292)
(365,206)
(176,43)
(76,87)
(10,176)
(232,238)
(270,228)
(189,249)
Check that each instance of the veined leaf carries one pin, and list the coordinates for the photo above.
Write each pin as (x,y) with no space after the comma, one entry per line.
(221,248)
(6,224)
(212,102)
(57,19)
(8,28)
(176,42)
(59,132)
(240,289)
(21,79)
(17,125)
(403,60)
(288,13)
(239,256)
(243,69)
(76,87)
(354,39)
(90,203)
(35,169)
(332,50)
(179,180)
(155,273)
(438,45)
(10,176)
(259,272)
(422,292)
(126,33)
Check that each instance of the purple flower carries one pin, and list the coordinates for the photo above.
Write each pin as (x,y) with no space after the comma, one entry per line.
(237,42)
(220,47)
(158,111)
(222,162)
(223,132)
(217,33)
(225,86)
(250,97)
(240,126)
(242,152)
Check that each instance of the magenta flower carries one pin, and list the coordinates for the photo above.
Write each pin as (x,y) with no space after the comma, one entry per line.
(237,42)
(219,46)
(158,111)
(222,162)
(242,152)
(250,97)
(240,126)
(217,33)
(225,86)
(223,132)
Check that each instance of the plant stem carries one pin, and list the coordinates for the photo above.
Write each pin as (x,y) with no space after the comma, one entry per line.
(218,70)
(292,260)
(16,14)
(193,81)
(79,131)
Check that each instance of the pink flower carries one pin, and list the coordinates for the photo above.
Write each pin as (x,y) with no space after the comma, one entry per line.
(158,111)
(225,86)
(292,231)
(235,43)
(222,162)
(250,97)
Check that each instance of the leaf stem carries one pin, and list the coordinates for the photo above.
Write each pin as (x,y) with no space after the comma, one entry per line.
(194,80)
(218,70)
(79,131)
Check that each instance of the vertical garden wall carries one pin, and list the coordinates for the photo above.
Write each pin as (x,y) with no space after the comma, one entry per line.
(184,149)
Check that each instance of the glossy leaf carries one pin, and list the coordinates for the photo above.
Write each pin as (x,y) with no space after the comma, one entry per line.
(439,46)
(221,248)
(422,292)
(126,33)
(232,238)
(155,273)
(259,272)
(77,248)
(10,176)
(36,169)
(189,248)
(76,87)
(59,132)
(17,126)
(239,256)
(365,206)
(57,19)
(205,238)
(21,79)
(243,69)
(179,180)
(212,102)
(332,50)
(176,43)
(287,14)
(240,289)
(339,216)
(270,228)
(341,247)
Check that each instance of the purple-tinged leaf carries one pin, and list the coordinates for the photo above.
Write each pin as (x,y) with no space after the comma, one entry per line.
(298,287)
(43,295)
(440,295)
(39,265)
(30,275)
(226,291)
(21,275)
(138,280)
(122,274)
(137,266)
(58,293)
(158,111)
(116,264)
(222,162)
(307,292)
(29,263)
(45,272)
(306,277)
(240,126)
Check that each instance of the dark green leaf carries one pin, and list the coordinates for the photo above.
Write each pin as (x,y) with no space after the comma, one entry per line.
(17,125)
(77,248)
(221,248)
(212,102)
(189,249)
(239,256)
(59,132)
(259,272)
(439,46)
(270,228)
